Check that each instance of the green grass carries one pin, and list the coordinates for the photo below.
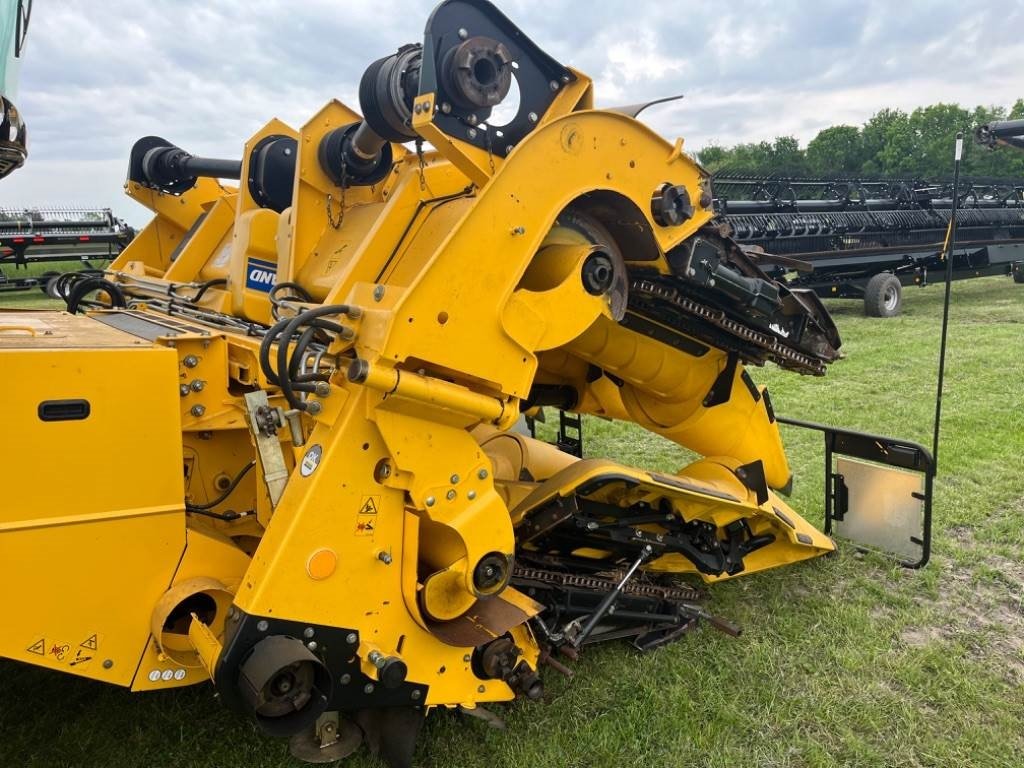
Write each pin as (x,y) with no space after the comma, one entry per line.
(846,661)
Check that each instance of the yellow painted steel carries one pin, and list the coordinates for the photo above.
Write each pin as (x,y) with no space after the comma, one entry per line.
(402,477)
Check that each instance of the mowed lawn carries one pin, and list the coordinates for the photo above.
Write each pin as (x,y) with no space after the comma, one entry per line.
(846,661)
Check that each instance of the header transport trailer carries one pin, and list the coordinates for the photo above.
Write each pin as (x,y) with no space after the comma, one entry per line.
(866,239)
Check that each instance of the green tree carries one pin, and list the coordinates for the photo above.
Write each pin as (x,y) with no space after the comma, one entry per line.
(839,149)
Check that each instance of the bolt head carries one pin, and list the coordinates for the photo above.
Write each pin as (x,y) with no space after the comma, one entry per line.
(467,658)
(463,33)
(454,479)
(190,361)
(184,390)
(378,293)
(345,679)
(471,495)
(368,688)
(308,632)
(450,495)
(108,663)
(198,385)
(352,638)
(554,85)
(446,107)
(415,695)
(314,409)
(482,474)
(480,689)
(533,117)
(430,501)
(312,645)
(471,133)
(198,410)
(262,625)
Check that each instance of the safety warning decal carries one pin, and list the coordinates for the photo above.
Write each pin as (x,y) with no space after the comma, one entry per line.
(366,518)
(67,653)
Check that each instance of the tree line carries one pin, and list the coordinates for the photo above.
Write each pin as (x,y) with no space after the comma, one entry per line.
(893,143)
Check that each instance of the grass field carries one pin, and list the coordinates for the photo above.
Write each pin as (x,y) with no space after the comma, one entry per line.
(846,661)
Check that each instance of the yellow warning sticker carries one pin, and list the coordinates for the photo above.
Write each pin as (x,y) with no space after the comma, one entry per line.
(90,643)
(38,647)
(370,505)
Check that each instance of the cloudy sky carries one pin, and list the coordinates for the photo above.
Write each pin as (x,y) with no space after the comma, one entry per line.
(207,74)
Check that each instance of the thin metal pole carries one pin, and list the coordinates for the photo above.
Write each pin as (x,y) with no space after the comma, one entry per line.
(950,245)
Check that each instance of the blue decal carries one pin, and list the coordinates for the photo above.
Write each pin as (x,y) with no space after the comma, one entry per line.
(260,275)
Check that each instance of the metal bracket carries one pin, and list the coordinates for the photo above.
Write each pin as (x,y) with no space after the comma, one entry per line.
(268,445)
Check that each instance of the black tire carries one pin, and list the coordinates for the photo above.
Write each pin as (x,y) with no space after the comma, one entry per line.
(45,280)
(1017,270)
(883,296)
(50,286)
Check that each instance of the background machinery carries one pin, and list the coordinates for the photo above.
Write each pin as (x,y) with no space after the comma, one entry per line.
(865,239)
(55,236)
(308,366)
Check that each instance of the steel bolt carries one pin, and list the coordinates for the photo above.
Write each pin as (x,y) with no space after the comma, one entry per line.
(454,479)
(190,361)
(262,626)
(384,557)
(471,495)
(430,501)
(308,632)
(352,638)
(198,410)
(533,117)
(198,385)
(415,695)
(554,85)
(463,33)
(311,645)
(482,474)
(480,689)
(108,663)
(323,388)
(184,390)
(378,293)
(519,231)
(314,409)
(345,679)
(467,658)
(450,495)
(368,688)
(471,133)
(446,107)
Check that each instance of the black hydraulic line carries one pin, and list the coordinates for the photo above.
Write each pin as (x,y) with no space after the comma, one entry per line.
(949,247)
(227,517)
(199,508)
(220,281)
(287,387)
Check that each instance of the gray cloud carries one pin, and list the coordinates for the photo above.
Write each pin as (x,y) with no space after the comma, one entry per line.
(206,75)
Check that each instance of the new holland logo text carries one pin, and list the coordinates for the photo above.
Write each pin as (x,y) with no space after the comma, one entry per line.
(260,275)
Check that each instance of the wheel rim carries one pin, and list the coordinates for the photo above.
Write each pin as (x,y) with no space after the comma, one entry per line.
(891,297)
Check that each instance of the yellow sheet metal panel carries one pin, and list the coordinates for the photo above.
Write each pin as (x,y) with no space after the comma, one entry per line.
(92,533)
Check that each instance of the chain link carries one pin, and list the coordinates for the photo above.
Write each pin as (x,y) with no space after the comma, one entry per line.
(329,203)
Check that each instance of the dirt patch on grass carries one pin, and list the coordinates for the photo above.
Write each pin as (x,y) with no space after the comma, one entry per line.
(980,606)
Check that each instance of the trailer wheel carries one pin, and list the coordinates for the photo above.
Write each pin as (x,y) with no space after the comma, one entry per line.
(883,296)
(1018,272)
(49,284)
